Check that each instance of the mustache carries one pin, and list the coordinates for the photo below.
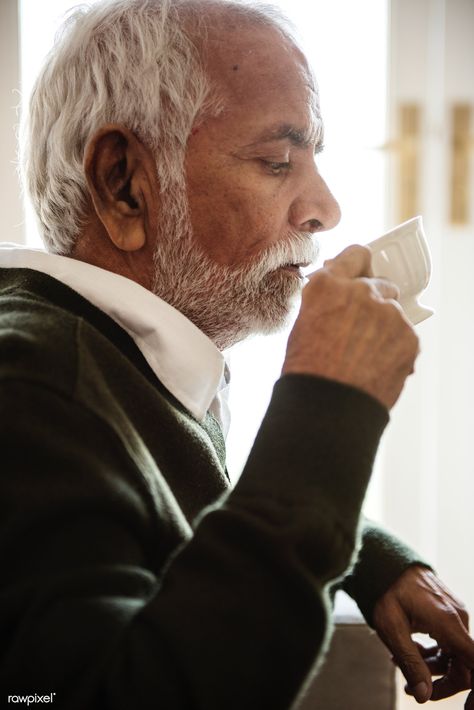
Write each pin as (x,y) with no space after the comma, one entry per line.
(298,248)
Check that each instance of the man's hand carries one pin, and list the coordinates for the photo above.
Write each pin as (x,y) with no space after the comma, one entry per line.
(419,602)
(351,329)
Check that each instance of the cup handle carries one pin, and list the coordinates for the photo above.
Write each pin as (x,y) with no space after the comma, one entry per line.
(416,312)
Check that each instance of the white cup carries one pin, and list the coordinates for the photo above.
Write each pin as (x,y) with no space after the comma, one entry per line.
(402,256)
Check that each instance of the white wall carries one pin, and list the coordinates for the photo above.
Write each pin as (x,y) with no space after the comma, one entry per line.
(11,214)
(428,484)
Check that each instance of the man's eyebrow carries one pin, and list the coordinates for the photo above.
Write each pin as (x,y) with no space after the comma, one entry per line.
(298,137)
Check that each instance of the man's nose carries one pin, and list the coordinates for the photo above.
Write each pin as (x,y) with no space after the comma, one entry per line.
(316,209)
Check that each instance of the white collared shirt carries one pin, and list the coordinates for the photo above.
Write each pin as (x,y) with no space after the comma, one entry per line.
(164,335)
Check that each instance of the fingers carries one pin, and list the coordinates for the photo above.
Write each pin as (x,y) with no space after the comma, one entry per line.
(351,263)
(419,601)
(351,330)
(437,661)
(456,679)
(455,639)
(355,263)
(382,289)
(407,655)
(455,676)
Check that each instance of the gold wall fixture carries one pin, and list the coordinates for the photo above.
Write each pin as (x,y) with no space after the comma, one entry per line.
(408,148)
(460,159)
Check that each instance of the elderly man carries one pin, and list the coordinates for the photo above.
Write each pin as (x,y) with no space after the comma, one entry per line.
(170,157)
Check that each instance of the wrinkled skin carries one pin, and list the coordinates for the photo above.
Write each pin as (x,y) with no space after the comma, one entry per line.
(420,602)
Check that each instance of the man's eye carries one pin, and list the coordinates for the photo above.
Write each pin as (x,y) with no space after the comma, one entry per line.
(276,168)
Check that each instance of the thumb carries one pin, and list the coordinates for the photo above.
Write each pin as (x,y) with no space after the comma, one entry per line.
(414,669)
(351,263)
(408,657)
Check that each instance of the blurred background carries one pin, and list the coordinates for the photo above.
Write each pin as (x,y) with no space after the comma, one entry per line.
(397,96)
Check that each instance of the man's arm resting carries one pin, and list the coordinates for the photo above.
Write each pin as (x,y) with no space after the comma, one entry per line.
(238,617)
(399,595)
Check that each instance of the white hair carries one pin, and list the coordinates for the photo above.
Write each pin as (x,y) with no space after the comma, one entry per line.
(133,62)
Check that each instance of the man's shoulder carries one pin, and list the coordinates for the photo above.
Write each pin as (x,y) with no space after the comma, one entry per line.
(37,336)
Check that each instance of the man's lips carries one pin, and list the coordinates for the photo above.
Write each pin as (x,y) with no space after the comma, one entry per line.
(296,269)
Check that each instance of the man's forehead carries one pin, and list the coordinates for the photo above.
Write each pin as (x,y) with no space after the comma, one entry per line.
(268,89)
(256,55)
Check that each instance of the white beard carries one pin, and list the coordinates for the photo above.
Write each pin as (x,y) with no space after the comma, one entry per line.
(227,303)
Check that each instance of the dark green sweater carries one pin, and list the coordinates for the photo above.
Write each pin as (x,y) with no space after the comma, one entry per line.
(131,577)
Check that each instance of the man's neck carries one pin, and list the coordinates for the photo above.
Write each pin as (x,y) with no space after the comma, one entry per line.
(94,247)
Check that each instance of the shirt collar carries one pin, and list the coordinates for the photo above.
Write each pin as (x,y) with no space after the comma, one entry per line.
(164,335)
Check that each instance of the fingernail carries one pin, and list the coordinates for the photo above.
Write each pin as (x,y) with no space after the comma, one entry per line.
(421,692)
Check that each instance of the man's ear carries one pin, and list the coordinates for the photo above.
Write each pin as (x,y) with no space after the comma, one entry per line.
(121,176)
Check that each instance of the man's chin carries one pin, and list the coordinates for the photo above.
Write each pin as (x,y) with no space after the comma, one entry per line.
(278,317)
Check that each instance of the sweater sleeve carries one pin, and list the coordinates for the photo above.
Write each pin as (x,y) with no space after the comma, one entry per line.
(382,558)
(239,616)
